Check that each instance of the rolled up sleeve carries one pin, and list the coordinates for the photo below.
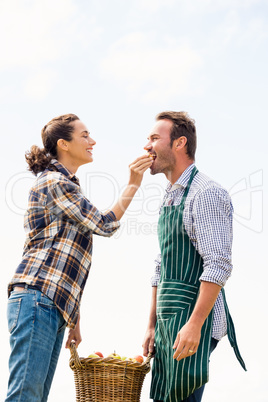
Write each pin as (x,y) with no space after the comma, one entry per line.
(156,277)
(65,201)
(212,216)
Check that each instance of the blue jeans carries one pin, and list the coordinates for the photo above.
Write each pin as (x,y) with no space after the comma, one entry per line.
(36,333)
(198,393)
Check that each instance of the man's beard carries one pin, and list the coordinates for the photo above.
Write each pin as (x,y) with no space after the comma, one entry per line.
(167,161)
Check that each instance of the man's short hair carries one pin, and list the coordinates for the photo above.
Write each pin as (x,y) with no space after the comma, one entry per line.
(183,125)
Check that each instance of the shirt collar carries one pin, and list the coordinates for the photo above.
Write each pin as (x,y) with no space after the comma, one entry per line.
(182,180)
(56,165)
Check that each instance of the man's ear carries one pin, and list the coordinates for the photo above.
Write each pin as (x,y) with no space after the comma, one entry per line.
(62,144)
(180,142)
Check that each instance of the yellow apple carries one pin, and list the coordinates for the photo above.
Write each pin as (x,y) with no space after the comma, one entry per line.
(115,356)
(131,359)
(124,358)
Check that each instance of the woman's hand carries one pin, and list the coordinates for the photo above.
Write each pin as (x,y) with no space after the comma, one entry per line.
(137,169)
(74,335)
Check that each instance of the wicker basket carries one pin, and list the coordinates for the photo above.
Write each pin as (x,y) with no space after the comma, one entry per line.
(107,379)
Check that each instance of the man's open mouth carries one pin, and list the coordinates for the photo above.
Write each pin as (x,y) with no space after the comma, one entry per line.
(153,156)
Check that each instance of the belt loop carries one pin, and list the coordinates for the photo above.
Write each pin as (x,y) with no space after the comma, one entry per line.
(26,286)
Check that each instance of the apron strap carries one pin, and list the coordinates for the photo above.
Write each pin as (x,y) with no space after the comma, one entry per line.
(193,173)
(231,332)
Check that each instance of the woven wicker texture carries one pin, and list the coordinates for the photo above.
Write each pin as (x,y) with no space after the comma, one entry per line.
(107,379)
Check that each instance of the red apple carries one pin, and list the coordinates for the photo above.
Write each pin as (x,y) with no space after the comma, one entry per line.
(93,356)
(99,354)
(139,359)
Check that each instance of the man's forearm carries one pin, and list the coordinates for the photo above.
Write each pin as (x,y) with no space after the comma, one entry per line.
(208,294)
(148,342)
(152,316)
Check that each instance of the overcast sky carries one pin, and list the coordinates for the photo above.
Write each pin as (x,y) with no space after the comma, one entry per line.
(116,64)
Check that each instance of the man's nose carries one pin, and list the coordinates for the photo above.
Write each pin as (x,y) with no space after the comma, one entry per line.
(148,146)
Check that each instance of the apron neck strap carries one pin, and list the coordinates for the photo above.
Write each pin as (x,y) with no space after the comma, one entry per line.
(193,173)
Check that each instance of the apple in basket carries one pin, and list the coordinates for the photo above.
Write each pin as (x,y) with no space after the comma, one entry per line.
(138,359)
(99,354)
(93,355)
(115,356)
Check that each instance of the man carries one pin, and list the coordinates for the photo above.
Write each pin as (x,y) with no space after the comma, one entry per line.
(189,314)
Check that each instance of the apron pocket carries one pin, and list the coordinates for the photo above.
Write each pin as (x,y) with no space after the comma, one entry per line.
(173,296)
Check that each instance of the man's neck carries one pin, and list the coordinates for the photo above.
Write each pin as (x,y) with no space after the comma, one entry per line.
(176,173)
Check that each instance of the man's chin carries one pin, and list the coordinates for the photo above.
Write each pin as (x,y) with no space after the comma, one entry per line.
(153,171)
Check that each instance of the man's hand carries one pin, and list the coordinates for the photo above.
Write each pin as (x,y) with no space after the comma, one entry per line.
(188,337)
(148,342)
(187,341)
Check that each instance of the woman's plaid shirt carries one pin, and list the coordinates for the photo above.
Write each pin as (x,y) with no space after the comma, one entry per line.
(59,225)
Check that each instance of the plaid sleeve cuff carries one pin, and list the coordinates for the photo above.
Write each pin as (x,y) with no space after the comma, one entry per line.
(110,216)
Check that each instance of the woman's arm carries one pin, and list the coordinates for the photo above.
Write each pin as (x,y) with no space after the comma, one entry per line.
(74,335)
(65,201)
(137,169)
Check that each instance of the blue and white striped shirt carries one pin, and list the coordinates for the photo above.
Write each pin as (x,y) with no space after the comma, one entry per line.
(207,218)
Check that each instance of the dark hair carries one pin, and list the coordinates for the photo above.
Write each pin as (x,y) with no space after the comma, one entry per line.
(183,125)
(60,127)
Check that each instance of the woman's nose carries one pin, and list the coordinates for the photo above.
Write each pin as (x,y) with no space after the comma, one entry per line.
(92,142)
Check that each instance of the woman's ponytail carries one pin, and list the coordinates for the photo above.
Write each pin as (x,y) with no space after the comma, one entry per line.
(37,159)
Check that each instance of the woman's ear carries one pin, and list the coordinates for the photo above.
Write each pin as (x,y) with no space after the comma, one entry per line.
(62,144)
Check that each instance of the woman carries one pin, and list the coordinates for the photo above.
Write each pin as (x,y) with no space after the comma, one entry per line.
(46,289)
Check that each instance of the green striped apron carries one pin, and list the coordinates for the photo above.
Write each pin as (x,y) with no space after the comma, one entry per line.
(177,293)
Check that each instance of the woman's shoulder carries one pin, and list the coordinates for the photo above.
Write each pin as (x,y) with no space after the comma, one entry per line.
(49,179)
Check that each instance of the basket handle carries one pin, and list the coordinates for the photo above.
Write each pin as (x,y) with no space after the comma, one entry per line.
(149,357)
(74,354)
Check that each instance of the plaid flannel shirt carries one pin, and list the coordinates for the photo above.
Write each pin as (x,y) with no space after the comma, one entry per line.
(59,225)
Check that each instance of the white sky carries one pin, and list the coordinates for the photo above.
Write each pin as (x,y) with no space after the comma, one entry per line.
(116,65)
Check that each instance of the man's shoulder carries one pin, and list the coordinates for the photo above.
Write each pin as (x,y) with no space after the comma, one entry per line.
(204,185)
